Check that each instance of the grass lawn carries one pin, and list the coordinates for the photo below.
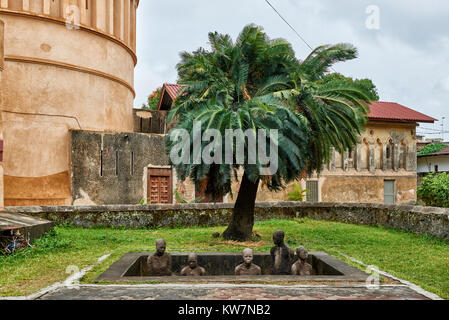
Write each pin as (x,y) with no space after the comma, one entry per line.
(417,258)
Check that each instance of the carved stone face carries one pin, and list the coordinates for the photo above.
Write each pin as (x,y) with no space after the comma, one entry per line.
(278,238)
(248,256)
(302,253)
(192,261)
(160,247)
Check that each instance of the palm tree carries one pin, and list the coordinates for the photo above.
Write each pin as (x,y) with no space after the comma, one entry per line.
(258,83)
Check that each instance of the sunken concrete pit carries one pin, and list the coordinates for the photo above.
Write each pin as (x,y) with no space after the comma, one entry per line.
(220,268)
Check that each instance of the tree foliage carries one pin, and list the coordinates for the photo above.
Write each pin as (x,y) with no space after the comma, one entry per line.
(153,100)
(432,148)
(369,86)
(256,83)
(434,190)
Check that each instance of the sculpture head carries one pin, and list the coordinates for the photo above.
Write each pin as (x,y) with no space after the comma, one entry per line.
(302,253)
(278,238)
(248,256)
(192,260)
(160,247)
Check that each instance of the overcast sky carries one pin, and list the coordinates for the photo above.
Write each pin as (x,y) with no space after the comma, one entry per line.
(407,57)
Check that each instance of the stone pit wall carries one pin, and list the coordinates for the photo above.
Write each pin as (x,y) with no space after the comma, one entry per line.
(421,220)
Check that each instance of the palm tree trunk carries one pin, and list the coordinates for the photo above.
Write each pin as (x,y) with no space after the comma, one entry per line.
(242,221)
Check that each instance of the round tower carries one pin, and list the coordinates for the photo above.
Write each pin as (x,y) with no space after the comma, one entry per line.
(68,64)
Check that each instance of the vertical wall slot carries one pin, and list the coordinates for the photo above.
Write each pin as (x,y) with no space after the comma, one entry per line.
(132,163)
(101,163)
(116,163)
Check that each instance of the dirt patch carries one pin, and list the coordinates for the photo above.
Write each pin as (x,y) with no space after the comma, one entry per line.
(243,244)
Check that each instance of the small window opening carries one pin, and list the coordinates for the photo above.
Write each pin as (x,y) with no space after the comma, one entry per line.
(101,163)
(116,163)
(132,163)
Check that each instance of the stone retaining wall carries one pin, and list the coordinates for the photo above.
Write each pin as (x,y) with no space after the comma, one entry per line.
(424,220)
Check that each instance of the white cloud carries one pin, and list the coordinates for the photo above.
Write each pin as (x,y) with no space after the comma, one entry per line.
(445,84)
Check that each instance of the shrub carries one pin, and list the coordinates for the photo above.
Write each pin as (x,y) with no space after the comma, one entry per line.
(434,190)
(298,194)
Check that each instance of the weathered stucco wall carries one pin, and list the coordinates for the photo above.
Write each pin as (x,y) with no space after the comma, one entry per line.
(422,220)
(427,164)
(98,179)
(57,78)
(367,189)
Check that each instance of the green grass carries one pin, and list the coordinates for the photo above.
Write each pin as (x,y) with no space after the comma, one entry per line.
(417,258)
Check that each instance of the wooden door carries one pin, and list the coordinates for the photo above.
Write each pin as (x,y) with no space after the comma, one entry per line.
(160,186)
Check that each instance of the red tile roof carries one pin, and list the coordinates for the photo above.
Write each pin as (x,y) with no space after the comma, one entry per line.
(390,111)
(385,111)
(443,152)
(173,89)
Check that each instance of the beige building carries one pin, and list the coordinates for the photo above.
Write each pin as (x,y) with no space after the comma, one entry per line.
(381,169)
(66,64)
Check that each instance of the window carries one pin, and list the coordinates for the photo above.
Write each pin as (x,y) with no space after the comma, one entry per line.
(436,168)
(132,163)
(116,163)
(101,163)
(388,152)
(312,186)
(389,192)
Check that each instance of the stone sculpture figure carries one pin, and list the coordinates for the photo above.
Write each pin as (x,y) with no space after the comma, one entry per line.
(248,268)
(193,269)
(281,255)
(301,267)
(159,263)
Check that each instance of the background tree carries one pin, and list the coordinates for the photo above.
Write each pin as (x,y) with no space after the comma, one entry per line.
(258,83)
(153,100)
(367,83)
(432,148)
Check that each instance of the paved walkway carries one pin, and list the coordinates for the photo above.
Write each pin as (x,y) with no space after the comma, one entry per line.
(233,292)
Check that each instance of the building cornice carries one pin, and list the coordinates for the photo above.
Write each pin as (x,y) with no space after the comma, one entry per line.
(60,21)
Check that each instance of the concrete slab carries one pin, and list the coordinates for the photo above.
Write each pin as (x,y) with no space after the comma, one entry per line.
(31,227)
